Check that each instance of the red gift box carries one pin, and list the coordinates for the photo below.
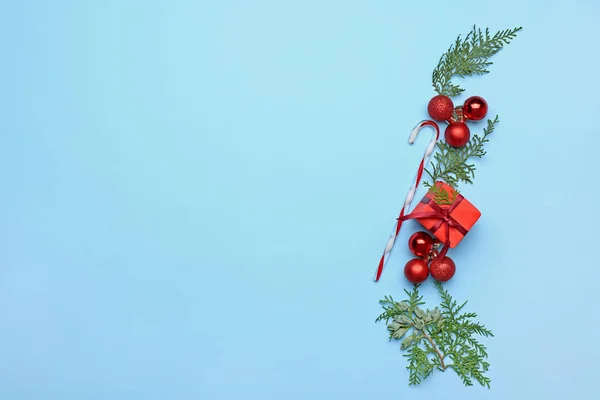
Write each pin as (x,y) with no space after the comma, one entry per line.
(447,222)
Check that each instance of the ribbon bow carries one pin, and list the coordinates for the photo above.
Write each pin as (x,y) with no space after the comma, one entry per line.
(444,217)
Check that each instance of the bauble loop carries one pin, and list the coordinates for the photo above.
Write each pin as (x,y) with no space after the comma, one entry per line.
(432,254)
(475,108)
(442,269)
(458,115)
(440,108)
(420,244)
(416,270)
(457,134)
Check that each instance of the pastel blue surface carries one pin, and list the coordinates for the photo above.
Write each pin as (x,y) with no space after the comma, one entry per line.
(195,196)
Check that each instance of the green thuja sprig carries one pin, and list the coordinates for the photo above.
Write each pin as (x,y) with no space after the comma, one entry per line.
(440,195)
(469,56)
(437,339)
(450,164)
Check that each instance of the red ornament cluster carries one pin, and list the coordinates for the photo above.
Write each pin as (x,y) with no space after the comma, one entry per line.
(417,270)
(457,134)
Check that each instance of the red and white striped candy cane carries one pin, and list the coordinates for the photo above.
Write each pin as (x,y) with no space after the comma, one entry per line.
(411,193)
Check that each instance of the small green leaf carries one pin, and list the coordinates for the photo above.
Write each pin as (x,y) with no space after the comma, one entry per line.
(403,319)
(393,326)
(403,306)
(420,313)
(406,342)
(428,317)
(419,324)
(399,332)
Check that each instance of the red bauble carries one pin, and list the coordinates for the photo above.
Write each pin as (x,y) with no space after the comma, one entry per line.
(475,108)
(442,269)
(420,244)
(416,270)
(457,134)
(440,107)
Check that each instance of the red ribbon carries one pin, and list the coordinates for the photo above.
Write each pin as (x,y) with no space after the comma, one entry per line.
(444,217)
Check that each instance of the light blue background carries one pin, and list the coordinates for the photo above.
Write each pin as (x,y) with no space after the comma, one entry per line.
(195,196)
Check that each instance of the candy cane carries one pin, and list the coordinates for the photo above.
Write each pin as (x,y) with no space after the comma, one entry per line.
(411,193)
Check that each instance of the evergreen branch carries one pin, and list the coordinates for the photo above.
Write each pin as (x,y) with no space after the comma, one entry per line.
(448,305)
(414,299)
(480,348)
(437,336)
(469,56)
(440,195)
(418,366)
(434,349)
(466,315)
(391,308)
(451,163)
(475,327)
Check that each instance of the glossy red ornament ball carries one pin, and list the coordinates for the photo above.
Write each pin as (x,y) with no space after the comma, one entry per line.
(457,134)
(416,270)
(420,244)
(442,269)
(475,108)
(440,108)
